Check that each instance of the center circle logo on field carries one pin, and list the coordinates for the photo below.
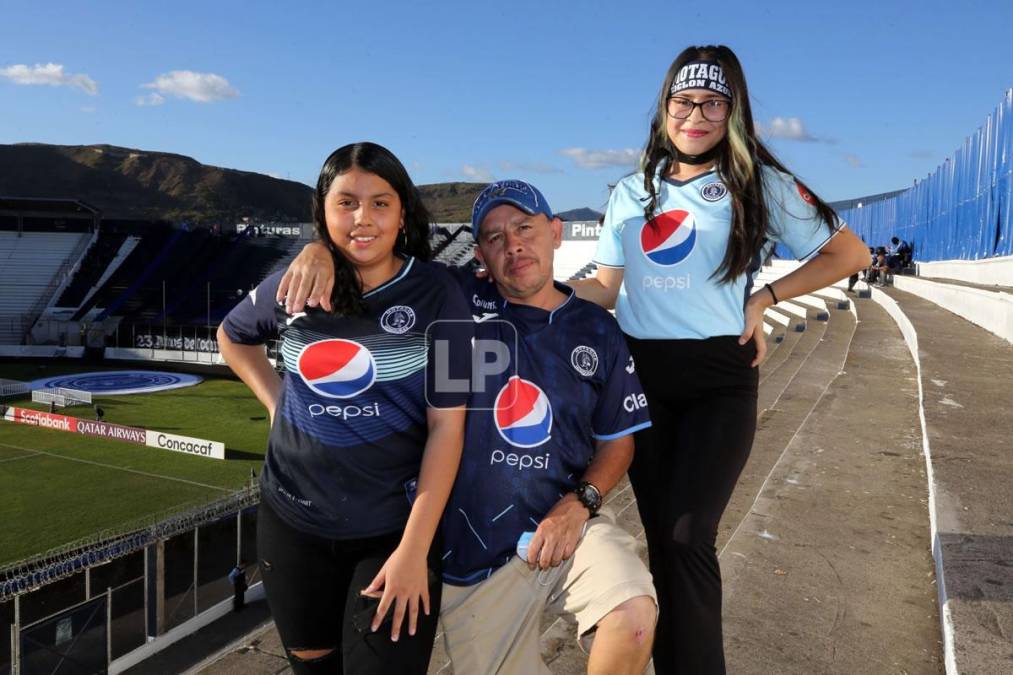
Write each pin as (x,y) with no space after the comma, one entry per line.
(119,382)
(713,192)
(398,319)
(669,238)
(584,360)
(523,414)
(336,368)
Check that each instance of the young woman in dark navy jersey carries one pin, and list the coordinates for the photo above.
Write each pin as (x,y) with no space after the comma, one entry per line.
(680,242)
(363,448)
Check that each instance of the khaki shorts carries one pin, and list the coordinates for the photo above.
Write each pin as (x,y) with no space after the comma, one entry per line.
(493,626)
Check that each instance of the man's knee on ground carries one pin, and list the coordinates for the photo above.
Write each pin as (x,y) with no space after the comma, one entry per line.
(633,620)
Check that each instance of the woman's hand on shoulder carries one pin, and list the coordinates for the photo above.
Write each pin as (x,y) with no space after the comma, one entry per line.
(309,280)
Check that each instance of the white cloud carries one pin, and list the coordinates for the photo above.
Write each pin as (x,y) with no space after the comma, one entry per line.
(198,87)
(88,109)
(477,173)
(150,100)
(789,129)
(49,74)
(597,159)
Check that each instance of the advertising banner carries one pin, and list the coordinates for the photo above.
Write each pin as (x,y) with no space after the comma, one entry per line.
(193,446)
(41,419)
(119,432)
(115,431)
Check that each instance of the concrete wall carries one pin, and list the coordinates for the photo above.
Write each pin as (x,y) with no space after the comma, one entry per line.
(992,310)
(989,272)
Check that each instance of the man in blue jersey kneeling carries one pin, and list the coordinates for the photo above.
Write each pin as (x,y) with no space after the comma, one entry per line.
(546,440)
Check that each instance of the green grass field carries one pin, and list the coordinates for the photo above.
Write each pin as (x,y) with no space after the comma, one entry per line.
(57,487)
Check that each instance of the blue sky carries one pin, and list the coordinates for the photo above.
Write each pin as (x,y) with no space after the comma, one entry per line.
(555,93)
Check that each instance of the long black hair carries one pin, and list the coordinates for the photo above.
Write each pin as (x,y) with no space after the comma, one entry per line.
(378,160)
(741,155)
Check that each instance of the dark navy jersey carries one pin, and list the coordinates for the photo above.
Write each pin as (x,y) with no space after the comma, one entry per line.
(350,428)
(533,430)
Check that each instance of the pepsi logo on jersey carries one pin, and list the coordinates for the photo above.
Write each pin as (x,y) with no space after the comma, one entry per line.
(523,414)
(336,368)
(668,238)
(521,461)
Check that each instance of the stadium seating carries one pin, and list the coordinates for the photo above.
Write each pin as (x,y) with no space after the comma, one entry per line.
(31,266)
(573,259)
(95,263)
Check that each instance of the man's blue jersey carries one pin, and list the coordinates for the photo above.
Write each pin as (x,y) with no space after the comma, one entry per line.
(350,428)
(532,430)
(668,289)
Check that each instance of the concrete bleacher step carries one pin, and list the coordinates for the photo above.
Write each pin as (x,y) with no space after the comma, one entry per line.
(777,357)
(797,312)
(776,381)
(811,301)
(829,570)
(836,295)
(966,373)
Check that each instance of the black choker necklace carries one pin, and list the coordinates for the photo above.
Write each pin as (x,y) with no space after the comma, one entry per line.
(695,160)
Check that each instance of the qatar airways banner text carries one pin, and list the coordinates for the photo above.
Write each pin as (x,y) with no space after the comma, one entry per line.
(192,446)
(115,431)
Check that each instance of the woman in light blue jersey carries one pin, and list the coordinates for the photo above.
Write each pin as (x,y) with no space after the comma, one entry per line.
(680,243)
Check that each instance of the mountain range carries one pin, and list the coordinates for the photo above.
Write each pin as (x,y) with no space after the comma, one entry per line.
(127,183)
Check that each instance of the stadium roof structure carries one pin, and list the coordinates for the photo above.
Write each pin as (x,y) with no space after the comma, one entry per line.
(846,204)
(47,207)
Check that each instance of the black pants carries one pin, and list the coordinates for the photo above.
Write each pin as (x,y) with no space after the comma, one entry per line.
(702,399)
(313,589)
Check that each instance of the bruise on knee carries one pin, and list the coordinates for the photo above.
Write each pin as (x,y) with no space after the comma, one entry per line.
(635,618)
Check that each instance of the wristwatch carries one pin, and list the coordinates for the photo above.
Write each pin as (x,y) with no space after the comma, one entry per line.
(589,496)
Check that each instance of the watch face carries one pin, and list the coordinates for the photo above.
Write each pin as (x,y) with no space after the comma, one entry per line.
(589,496)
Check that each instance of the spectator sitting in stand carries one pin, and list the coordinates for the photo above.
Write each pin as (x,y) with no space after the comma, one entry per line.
(898,254)
(880,270)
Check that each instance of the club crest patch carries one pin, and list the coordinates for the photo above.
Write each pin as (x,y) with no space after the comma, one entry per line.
(584,360)
(398,319)
(712,192)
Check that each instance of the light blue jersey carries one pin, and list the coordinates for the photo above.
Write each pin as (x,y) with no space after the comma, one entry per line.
(668,289)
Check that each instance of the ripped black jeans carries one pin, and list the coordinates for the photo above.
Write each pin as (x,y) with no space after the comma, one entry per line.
(313,589)
(701,395)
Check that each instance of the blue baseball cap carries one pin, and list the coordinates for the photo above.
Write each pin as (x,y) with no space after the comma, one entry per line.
(517,193)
